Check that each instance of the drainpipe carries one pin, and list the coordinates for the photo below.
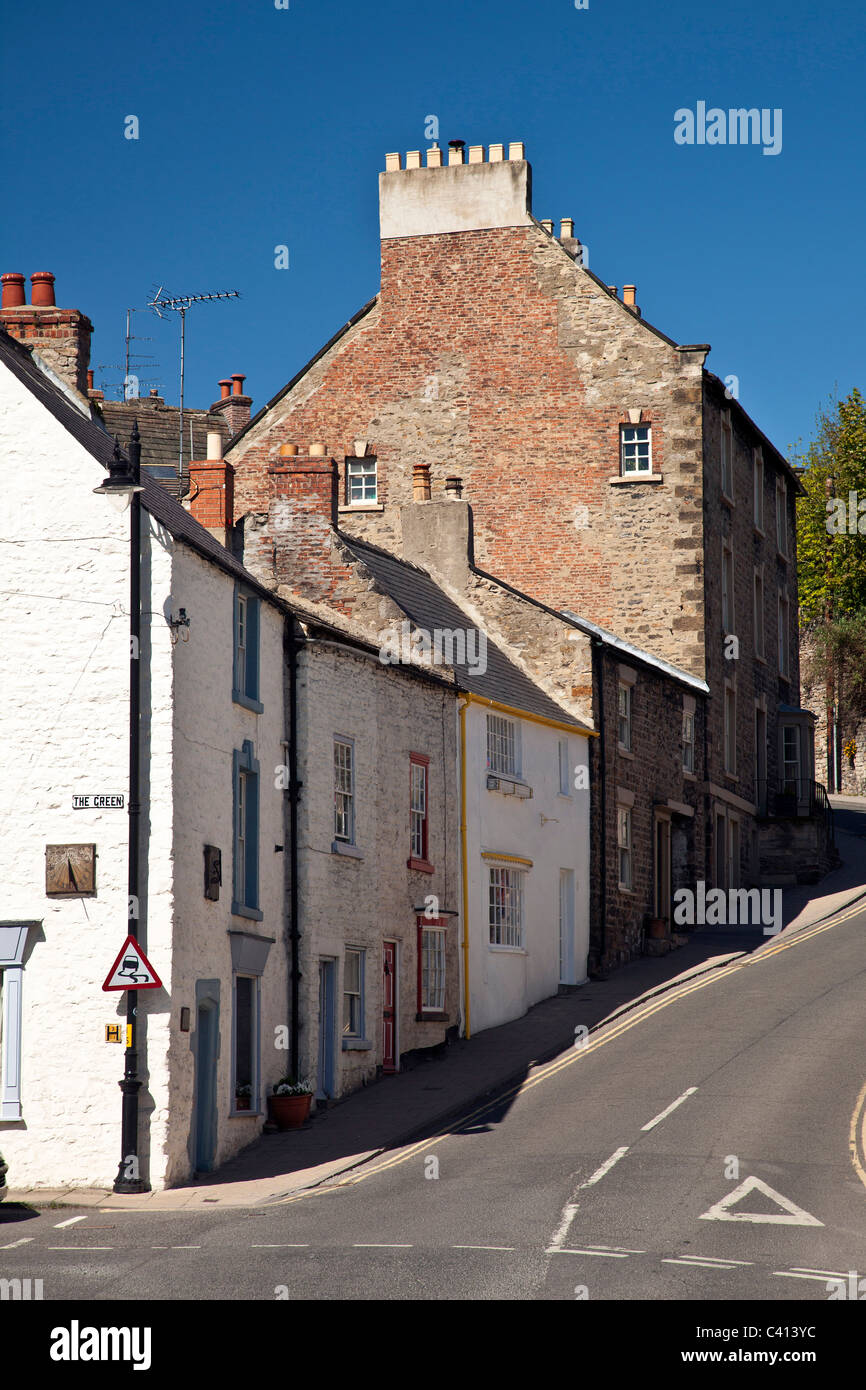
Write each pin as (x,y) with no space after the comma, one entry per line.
(291,646)
(464,866)
(598,663)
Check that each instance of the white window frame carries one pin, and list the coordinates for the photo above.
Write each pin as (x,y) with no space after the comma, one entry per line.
(688,740)
(640,435)
(348,1033)
(726,456)
(758,489)
(437,977)
(730,729)
(505,921)
(759,609)
(624,847)
(360,473)
(504,753)
(782,517)
(624,717)
(784,622)
(344,795)
(564,768)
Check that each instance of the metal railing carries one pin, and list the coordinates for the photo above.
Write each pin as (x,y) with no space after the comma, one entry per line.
(796,797)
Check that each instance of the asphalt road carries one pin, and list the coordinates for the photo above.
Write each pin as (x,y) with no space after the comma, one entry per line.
(594,1181)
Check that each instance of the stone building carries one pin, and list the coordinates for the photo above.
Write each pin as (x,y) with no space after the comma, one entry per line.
(608,471)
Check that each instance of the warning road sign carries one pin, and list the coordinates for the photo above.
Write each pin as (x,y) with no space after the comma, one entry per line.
(132,969)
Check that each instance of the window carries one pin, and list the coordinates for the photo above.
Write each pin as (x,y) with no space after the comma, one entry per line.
(361,482)
(344,791)
(730,730)
(688,741)
(635,449)
(246,1047)
(418,812)
(506,907)
(727,456)
(727,587)
(782,517)
(758,488)
(733,852)
(245,672)
(783,635)
(245,866)
(623,709)
(623,840)
(431,966)
(564,777)
(353,993)
(503,746)
(759,614)
(790,759)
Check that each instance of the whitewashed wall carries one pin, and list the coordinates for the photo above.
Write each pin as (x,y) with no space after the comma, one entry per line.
(503,984)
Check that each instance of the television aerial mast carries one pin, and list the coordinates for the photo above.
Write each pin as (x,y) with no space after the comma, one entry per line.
(131,384)
(163,303)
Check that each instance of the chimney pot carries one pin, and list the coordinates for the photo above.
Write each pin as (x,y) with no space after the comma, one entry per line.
(628,293)
(516,150)
(42,291)
(154,392)
(413,159)
(612,289)
(13,290)
(476,154)
(288,451)
(421,482)
(567,227)
(392,163)
(317,451)
(453,486)
(214,444)
(90,378)
(547,224)
(434,157)
(238,388)
(225,388)
(455,151)
(496,154)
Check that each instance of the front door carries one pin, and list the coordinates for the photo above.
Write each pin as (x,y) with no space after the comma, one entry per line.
(566,926)
(207,1033)
(327,1023)
(663,868)
(389,1006)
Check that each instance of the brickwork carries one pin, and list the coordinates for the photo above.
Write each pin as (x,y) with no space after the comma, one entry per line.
(60,336)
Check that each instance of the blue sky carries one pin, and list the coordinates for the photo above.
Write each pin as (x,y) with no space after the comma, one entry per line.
(260,127)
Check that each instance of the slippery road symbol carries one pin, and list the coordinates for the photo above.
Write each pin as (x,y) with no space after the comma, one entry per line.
(132,969)
(790,1215)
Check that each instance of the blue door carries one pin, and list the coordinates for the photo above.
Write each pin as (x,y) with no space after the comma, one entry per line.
(327,1024)
(207,1033)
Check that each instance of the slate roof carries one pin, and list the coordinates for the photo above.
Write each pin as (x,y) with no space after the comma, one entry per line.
(158,425)
(429,607)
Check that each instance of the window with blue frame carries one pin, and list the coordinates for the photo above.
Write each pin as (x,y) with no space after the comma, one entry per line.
(245,667)
(245,868)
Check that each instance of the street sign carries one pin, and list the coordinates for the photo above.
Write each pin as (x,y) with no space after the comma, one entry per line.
(96,801)
(132,969)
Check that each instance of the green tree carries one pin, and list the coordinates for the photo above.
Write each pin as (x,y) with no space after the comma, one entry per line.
(831,539)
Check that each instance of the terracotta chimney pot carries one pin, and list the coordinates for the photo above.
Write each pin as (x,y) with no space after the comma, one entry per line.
(288,451)
(238,379)
(42,293)
(225,388)
(13,290)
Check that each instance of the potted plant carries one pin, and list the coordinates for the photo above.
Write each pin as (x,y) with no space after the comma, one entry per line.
(243,1096)
(3,1172)
(289,1102)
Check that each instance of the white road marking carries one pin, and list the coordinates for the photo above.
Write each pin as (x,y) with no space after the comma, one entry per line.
(673,1105)
(483,1247)
(605,1168)
(73,1220)
(708,1259)
(378,1245)
(793,1215)
(185,1247)
(693,1263)
(623,1249)
(822,1278)
(25,1240)
(79,1247)
(280,1247)
(558,1237)
(604,1254)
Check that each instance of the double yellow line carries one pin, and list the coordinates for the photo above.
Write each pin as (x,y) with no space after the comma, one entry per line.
(610,1033)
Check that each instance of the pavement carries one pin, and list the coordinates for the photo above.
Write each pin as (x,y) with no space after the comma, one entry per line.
(427,1096)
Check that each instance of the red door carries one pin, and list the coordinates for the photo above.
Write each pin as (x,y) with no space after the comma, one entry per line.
(389,1006)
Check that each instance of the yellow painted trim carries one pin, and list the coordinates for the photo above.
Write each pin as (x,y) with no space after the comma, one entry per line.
(533,718)
(506,858)
(464,868)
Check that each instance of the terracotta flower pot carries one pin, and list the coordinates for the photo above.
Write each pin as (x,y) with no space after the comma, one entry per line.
(658,928)
(289,1112)
(242,1102)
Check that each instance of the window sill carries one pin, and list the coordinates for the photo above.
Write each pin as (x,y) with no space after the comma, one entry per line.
(624,752)
(624,478)
(361,507)
(251,913)
(623,889)
(689,776)
(519,789)
(566,796)
(245,1114)
(780,555)
(728,500)
(760,532)
(238,698)
(346,851)
(508,950)
(431,1016)
(762,659)
(421,866)
(730,776)
(356,1045)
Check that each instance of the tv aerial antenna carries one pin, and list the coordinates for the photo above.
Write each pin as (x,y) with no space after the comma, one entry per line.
(162,304)
(146,364)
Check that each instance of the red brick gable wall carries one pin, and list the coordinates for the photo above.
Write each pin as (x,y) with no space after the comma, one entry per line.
(492,356)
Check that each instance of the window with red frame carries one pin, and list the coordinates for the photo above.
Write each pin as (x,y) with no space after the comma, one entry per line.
(419,769)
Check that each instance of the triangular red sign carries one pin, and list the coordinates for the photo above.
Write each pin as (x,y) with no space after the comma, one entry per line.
(132,969)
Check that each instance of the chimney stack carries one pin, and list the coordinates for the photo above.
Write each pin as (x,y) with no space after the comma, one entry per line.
(212,491)
(61,337)
(233,405)
(466,194)
(628,294)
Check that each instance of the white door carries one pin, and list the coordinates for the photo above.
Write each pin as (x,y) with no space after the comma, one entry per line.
(566,927)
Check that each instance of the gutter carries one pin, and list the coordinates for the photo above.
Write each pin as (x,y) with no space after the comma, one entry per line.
(464,705)
(291,646)
(597,649)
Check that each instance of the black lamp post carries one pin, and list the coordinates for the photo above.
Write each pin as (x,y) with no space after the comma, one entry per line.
(124,484)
